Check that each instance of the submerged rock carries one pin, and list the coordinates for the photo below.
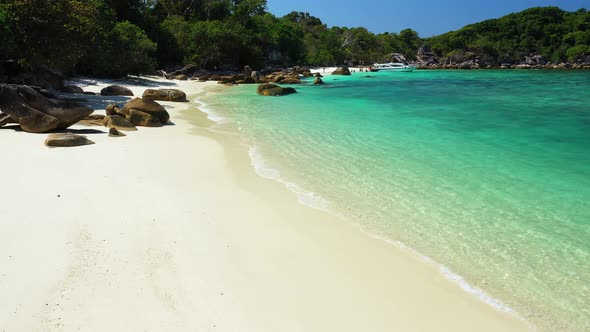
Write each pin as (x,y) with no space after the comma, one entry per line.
(291,80)
(66,140)
(72,89)
(116,90)
(269,89)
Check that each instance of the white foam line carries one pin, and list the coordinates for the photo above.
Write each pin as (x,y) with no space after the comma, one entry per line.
(204,107)
(315,201)
(472,290)
(304,197)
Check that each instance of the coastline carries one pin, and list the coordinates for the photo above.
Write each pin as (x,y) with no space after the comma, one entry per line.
(148,233)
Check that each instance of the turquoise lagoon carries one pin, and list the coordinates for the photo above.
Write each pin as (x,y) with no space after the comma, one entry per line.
(487,173)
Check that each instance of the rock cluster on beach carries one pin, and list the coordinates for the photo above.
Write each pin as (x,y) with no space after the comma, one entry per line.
(37,110)
(165,95)
(232,76)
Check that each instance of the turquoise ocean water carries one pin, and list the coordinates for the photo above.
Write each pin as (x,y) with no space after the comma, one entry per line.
(485,172)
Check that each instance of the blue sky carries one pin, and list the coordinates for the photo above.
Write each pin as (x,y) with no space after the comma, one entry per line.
(428,17)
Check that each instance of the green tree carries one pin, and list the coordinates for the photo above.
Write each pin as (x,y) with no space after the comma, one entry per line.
(577,51)
(132,50)
(7,49)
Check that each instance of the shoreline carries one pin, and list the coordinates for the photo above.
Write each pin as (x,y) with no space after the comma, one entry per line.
(314,201)
(169,254)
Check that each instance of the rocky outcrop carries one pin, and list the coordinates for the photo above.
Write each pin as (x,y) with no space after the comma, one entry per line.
(181,77)
(43,77)
(72,89)
(318,81)
(118,122)
(258,77)
(165,95)
(246,80)
(248,71)
(397,57)
(147,113)
(274,90)
(66,140)
(116,90)
(37,113)
(534,60)
(341,71)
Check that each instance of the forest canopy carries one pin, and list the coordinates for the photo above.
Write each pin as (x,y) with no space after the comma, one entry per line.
(119,37)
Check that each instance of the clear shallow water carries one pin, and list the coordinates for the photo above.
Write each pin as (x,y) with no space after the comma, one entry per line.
(486,172)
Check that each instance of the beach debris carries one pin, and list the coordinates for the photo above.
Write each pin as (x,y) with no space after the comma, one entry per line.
(317,81)
(113,132)
(37,113)
(269,89)
(146,113)
(165,95)
(341,71)
(116,90)
(66,140)
(118,122)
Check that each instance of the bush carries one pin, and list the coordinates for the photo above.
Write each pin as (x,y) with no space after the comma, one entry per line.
(577,51)
(6,35)
(131,51)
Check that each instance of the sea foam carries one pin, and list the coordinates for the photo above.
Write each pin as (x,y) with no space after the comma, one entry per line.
(304,197)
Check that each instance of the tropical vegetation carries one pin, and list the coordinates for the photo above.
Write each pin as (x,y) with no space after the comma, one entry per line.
(119,37)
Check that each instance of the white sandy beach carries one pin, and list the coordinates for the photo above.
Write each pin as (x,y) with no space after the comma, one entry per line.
(171,229)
